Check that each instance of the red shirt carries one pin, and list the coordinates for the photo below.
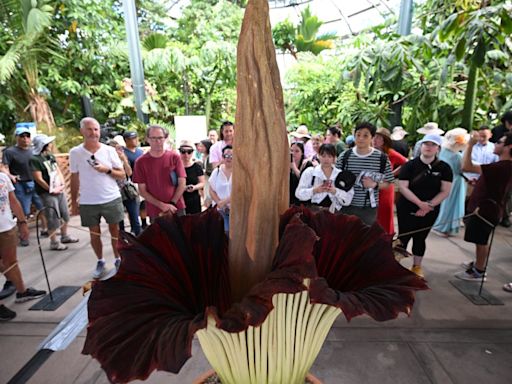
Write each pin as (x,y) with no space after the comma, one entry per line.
(155,173)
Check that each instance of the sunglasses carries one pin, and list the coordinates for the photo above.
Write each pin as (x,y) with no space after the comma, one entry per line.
(187,151)
(227,156)
(25,135)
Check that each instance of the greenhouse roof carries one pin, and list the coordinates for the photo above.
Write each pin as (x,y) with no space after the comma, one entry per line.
(341,16)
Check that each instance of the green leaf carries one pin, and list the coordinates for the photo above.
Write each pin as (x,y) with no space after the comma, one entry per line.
(506,22)
(460,49)
(478,57)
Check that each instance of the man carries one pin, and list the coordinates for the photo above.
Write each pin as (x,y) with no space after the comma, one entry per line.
(8,239)
(489,196)
(483,152)
(213,136)
(161,176)
(133,152)
(503,128)
(17,159)
(372,170)
(50,187)
(94,169)
(227,134)
(497,133)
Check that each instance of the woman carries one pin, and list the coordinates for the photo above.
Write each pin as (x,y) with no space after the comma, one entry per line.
(424,183)
(316,140)
(333,136)
(227,134)
(322,185)
(385,217)
(220,185)
(298,163)
(195,178)
(452,209)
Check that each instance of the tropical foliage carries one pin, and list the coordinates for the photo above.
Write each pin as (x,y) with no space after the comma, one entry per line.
(54,55)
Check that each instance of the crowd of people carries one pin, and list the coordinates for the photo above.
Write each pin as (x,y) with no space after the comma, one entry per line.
(374,174)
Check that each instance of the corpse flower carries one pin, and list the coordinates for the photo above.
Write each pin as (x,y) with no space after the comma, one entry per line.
(261,302)
(174,281)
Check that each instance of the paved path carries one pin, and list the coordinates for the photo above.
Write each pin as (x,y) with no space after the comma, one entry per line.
(446,339)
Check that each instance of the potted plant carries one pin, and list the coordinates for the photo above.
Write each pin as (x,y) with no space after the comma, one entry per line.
(261,302)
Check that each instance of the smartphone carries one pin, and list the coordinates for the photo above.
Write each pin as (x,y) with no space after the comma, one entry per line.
(327,183)
(291,158)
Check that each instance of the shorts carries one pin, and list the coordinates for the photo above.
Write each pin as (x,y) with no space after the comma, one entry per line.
(57,207)
(477,230)
(91,214)
(9,239)
(26,194)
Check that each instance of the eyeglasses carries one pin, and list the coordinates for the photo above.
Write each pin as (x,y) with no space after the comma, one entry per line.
(156,138)
(187,151)
(227,156)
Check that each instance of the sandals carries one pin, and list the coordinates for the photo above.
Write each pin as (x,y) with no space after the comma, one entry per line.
(508,287)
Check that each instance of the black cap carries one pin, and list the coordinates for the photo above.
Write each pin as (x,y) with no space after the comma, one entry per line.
(129,135)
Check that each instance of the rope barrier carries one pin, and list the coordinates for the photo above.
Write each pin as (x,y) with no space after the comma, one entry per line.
(475,213)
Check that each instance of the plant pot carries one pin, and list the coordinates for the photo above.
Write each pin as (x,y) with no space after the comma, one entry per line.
(202,378)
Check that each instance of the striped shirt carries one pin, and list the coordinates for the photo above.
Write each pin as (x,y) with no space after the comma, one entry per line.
(365,163)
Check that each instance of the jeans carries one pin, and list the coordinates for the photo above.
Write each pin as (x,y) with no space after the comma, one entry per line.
(225,215)
(132,206)
(26,196)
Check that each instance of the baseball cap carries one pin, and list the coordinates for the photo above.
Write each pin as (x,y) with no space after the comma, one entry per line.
(432,138)
(130,135)
(21,130)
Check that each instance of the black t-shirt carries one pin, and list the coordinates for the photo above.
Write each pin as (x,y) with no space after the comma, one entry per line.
(294,182)
(193,199)
(18,161)
(424,179)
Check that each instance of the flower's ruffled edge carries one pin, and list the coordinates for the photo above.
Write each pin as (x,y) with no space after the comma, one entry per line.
(145,317)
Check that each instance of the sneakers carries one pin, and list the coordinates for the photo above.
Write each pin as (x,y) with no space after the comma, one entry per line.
(6,314)
(469,265)
(117,263)
(24,243)
(417,270)
(29,294)
(100,270)
(8,289)
(68,239)
(56,246)
(471,275)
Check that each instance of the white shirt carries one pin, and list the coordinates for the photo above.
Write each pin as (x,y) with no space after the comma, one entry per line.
(482,154)
(95,187)
(7,222)
(304,191)
(220,184)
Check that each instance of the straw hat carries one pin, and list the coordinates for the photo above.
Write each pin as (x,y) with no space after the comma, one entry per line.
(398,133)
(430,128)
(456,139)
(301,132)
(386,135)
(40,141)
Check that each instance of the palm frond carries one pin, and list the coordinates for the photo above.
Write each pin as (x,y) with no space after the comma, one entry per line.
(9,61)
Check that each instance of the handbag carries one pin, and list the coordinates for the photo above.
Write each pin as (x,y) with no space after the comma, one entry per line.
(129,191)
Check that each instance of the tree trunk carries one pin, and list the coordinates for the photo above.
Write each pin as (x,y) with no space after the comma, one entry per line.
(260,169)
(470,97)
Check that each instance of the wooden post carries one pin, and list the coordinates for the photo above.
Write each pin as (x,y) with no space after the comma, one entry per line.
(261,155)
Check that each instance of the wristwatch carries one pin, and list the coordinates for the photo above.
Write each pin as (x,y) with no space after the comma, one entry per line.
(109,172)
